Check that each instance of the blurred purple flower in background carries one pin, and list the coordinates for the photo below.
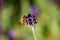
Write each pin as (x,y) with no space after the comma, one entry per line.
(54,1)
(34,10)
(1,4)
(12,34)
(1,31)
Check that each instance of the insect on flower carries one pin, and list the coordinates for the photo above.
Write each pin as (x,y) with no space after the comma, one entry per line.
(22,19)
(31,19)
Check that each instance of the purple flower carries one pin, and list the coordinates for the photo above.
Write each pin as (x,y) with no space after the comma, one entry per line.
(30,19)
(1,28)
(12,34)
(1,4)
(54,1)
(34,10)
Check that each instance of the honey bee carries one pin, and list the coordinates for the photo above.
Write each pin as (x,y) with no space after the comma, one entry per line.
(23,19)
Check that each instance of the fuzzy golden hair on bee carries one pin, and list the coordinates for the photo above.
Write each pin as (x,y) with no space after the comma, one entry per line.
(22,20)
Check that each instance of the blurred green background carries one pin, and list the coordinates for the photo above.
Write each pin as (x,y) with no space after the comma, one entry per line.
(47,28)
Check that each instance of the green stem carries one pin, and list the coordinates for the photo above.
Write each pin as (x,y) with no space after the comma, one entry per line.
(34,33)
